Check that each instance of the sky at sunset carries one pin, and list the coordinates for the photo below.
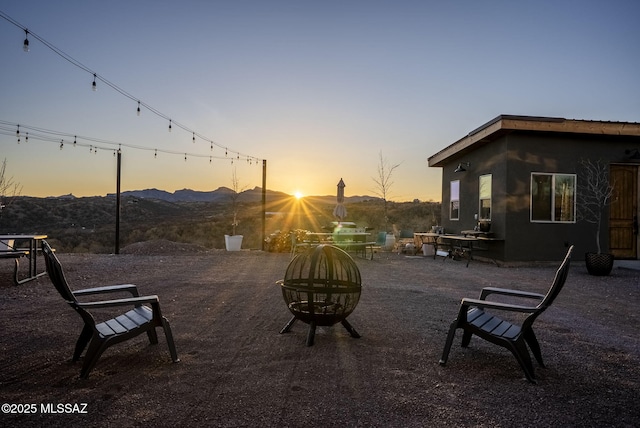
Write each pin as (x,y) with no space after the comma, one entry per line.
(317,88)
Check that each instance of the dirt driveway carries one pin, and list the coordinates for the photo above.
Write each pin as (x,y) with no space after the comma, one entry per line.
(236,370)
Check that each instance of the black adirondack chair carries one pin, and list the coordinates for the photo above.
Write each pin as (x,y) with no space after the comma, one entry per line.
(99,336)
(473,319)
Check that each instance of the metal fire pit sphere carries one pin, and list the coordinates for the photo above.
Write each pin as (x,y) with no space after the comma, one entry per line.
(321,287)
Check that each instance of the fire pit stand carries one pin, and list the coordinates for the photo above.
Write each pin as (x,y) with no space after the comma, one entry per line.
(321,287)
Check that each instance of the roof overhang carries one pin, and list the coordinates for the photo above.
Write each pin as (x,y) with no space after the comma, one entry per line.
(505,124)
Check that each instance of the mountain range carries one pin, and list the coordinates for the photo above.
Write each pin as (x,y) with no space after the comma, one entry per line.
(223,194)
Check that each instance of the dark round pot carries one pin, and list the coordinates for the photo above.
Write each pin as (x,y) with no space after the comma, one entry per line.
(599,264)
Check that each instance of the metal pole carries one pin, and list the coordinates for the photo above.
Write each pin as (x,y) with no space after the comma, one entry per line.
(118,202)
(264,201)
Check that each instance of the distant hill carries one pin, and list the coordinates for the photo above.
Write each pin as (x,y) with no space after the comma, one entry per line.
(222,194)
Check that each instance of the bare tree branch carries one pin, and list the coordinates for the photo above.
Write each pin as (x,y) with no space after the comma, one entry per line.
(9,189)
(383,182)
(594,193)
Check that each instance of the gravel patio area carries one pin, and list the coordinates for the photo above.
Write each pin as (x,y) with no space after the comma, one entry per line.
(236,370)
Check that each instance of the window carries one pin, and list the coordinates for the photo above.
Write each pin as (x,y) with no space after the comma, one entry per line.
(485,197)
(553,198)
(454,207)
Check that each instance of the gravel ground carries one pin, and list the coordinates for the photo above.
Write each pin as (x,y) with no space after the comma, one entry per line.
(236,370)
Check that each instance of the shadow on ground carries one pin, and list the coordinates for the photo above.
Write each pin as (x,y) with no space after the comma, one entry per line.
(237,370)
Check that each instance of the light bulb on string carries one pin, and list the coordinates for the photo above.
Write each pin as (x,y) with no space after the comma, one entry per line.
(212,146)
(169,125)
(185,157)
(210,159)
(25,46)
(18,134)
(94,87)
(26,138)
(155,155)
(194,137)
(61,144)
(138,112)
(74,141)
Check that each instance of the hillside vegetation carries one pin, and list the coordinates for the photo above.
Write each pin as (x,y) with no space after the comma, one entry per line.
(88,225)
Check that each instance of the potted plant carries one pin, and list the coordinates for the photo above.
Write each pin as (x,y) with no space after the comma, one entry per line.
(233,242)
(594,196)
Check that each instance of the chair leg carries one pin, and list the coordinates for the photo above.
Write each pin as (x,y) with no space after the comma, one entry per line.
(169,335)
(466,338)
(519,350)
(532,341)
(153,336)
(449,342)
(84,338)
(96,348)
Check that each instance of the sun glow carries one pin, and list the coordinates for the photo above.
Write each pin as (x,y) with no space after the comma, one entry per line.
(298,194)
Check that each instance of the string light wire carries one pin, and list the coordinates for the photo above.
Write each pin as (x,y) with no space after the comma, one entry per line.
(58,137)
(98,77)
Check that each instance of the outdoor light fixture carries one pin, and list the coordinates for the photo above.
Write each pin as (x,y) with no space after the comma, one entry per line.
(94,87)
(461,168)
(25,47)
(138,112)
(169,125)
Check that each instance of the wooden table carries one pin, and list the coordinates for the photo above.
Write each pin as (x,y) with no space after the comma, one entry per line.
(30,251)
(427,238)
(347,240)
(459,245)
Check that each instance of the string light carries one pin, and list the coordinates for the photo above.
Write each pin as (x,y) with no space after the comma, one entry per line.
(58,137)
(61,144)
(25,46)
(169,125)
(18,134)
(83,67)
(194,137)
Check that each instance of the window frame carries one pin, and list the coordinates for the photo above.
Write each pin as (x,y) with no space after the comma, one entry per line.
(553,197)
(452,200)
(480,198)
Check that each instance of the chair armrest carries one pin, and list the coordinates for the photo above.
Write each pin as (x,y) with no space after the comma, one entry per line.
(507,292)
(136,301)
(496,305)
(108,289)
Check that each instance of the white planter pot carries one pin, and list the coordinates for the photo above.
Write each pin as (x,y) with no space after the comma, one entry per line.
(390,242)
(233,242)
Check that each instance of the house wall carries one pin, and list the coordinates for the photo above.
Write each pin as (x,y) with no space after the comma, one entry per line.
(511,159)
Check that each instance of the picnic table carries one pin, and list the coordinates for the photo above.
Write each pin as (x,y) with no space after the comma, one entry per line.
(347,240)
(17,246)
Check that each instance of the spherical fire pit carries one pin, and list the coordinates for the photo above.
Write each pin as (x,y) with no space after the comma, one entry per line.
(321,287)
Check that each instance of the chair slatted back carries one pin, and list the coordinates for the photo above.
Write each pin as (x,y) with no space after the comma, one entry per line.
(56,274)
(558,282)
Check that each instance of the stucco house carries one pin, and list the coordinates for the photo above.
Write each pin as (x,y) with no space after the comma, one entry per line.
(521,173)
